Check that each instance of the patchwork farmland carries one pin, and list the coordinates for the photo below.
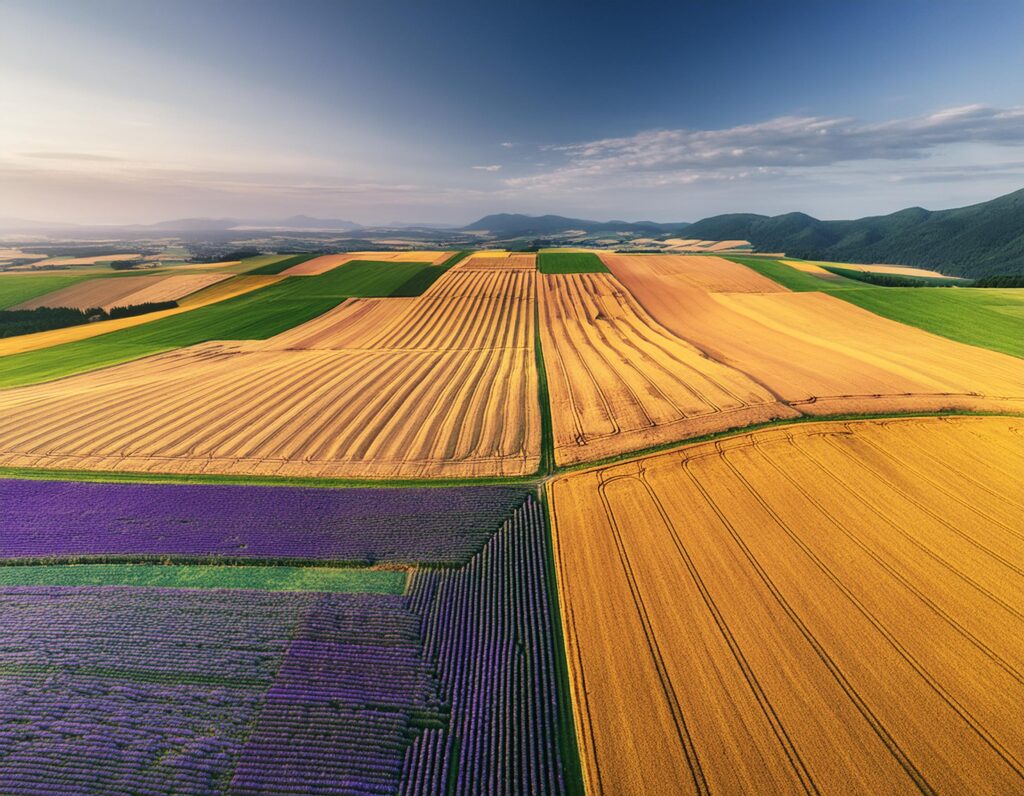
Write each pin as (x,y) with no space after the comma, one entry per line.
(453,521)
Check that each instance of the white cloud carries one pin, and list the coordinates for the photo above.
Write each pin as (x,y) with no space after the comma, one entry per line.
(493,167)
(507,144)
(778,146)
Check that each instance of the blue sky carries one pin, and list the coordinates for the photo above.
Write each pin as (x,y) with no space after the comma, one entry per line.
(444,111)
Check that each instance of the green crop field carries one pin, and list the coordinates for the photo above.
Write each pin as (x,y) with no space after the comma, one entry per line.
(252,316)
(988,317)
(15,289)
(205,576)
(556,262)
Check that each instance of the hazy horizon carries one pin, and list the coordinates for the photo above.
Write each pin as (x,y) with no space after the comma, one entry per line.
(122,113)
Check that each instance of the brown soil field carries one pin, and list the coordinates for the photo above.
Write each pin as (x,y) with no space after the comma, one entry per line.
(713,274)
(822,607)
(105,292)
(174,288)
(211,295)
(444,385)
(619,381)
(822,355)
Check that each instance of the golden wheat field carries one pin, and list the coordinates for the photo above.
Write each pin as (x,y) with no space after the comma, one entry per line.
(328,262)
(619,381)
(441,385)
(822,355)
(823,607)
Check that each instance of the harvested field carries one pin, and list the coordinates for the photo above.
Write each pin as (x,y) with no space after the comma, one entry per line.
(501,261)
(448,389)
(822,355)
(898,270)
(91,260)
(713,274)
(104,293)
(824,607)
(620,381)
(173,288)
(221,291)
(327,262)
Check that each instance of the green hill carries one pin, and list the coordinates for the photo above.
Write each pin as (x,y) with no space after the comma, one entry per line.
(975,241)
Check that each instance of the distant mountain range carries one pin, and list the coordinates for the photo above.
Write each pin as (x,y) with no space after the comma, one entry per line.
(514,225)
(979,240)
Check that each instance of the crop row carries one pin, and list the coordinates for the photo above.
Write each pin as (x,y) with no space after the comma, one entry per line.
(450,687)
(55,520)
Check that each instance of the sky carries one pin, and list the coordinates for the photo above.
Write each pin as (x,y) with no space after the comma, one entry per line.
(441,112)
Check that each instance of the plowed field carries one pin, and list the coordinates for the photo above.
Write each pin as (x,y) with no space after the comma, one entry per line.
(830,607)
(824,356)
(105,293)
(620,381)
(441,385)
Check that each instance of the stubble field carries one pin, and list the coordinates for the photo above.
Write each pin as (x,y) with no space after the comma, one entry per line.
(441,385)
(825,607)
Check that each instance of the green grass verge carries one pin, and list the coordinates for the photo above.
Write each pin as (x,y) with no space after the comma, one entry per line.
(418,283)
(556,262)
(15,289)
(205,576)
(252,316)
(990,318)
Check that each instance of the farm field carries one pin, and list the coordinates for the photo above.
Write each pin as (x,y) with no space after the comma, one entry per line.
(825,607)
(620,381)
(559,262)
(277,305)
(225,679)
(123,291)
(989,317)
(18,288)
(409,393)
(822,355)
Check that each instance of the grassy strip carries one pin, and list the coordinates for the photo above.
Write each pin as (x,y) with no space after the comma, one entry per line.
(568,742)
(252,316)
(419,283)
(278,266)
(15,289)
(990,318)
(114,477)
(190,576)
(558,262)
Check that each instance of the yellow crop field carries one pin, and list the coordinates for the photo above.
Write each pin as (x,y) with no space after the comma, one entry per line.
(713,274)
(619,381)
(328,262)
(822,355)
(823,607)
(441,385)
(219,291)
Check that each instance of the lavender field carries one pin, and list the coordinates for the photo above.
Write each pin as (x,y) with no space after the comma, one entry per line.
(63,520)
(451,687)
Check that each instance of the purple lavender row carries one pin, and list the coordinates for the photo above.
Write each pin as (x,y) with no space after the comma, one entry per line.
(69,520)
(343,709)
(488,627)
